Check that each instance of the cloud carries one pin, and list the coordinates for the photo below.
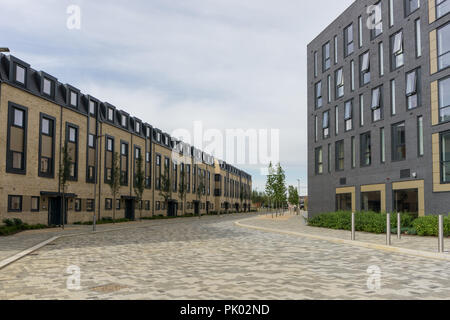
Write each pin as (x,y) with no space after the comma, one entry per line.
(231,64)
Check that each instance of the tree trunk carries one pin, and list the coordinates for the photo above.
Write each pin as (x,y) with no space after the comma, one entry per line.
(114,209)
(63,209)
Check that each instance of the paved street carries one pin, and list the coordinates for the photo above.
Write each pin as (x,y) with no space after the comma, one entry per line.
(211,258)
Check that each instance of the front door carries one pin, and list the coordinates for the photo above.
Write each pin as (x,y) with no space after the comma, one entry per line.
(55,212)
(196,208)
(172,209)
(129,209)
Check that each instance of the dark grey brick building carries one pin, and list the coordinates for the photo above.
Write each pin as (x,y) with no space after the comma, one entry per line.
(379,109)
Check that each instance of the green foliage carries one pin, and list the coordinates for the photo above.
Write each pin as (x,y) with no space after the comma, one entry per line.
(105,220)
(276,185)
(293,196)
(139,181)
(428,226)
(16,225)
(364,221)
(114,182)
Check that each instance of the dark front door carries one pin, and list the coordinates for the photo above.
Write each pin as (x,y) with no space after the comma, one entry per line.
(55,211)
(196,208)
(236,205)
(207,207)
(172,209)
(129,209)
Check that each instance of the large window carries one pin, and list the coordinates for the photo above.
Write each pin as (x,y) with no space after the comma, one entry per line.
(326,124)
(109,158)
(348,115)
(16,145)
(21,74)
(377,19)
(124,163)
(442,7)
(366,150)
(329,88)
(411,6)
(326,63)
(14,203)
(91,177)
(72,149)
(46,146)
(418,37)
(444,100)
(397,54)
(319,101)
(158,172)
(420,149)
(381,59)
(398,142)
(413,89)
(319,160)
(364,64)
(348,40)
(361,110)
(371,201)
(377,104)
(445,157)
(382,146)
(443,36)
(393,98)
(340,155)
(339,76)
(353,152)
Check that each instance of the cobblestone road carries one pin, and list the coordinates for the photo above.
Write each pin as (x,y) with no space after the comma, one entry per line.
(211,258)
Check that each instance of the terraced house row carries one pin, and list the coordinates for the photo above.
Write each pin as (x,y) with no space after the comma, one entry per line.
(379,109)
(39,115)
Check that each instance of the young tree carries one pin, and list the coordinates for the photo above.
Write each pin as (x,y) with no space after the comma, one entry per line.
(166,188)
(293,198)
(64,175)
(139,182)
(199,193)
(280,186)
(182,189)
(114,183)
(270,191)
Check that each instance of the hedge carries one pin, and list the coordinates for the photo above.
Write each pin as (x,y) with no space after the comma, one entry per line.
(16,225)
(428,226)
(364,221)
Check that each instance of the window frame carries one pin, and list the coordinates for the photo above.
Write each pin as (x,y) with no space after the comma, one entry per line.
(10,197)
(9,153)
(394,141)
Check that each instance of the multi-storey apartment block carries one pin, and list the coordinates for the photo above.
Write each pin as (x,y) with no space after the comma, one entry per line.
(379,109)
(40,115)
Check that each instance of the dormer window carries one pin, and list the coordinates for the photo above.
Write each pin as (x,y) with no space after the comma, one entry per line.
(92,107)
(110,114)
(73,99)
(166,140)
(20,74)
(47,87)
(124,120)
(158,137)
(148,132)
(137,127)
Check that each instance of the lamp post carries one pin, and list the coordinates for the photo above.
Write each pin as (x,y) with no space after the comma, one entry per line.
(97,172)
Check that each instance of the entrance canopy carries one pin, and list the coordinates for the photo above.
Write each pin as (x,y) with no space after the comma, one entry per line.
(52,194)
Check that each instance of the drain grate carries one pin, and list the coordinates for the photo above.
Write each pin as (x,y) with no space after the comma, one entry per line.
(108,288)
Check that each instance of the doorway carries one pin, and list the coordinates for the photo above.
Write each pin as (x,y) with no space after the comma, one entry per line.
(406,200)
(172,208)
(129,209)
(54,211)
(196,208)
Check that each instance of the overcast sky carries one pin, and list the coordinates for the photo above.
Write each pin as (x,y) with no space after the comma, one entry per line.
(228,63)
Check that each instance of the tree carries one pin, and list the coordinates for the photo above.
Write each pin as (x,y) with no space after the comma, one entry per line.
(114,182)
(293,196)
(199,193)
(166,187)
(270,191)
(139,182)
(280,185)
(64,175)
(182,189)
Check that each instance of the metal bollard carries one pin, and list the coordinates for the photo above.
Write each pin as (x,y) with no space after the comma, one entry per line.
(441,233)
(388,229)
(399,226)
(353,227)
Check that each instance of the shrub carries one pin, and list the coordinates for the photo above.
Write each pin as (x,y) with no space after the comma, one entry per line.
(8,222)
(428,226)
(17,222)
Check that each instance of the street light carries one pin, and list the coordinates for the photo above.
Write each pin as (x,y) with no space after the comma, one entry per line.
(4,50)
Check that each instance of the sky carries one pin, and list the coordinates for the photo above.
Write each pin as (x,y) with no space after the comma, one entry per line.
(231,64)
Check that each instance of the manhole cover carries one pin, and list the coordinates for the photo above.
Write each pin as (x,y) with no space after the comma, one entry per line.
(112,287)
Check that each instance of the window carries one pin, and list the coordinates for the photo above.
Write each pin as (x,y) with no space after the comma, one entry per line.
(124,121)
(92,107)
(445,157)
(109,146)
(376,104)
(353,152)
(335,50)
(360,31)
(91,140)
(444,100)
(336,119)
(72,149)
(443,38)
(47,87)
(158,205)
(77,205)
(138,127)
(14,203)
(319,161)
(366,150)
(382,146)
(339,155)
(381,58)
(117,204)
(316,129)
(442,8)
(73,99)
(352,75)
(90,204)
(35,204)
(158,172)
(21,73)
(108,204)
(46,147)
(413,89)
(329,88)
(17,138)
(411,6)
(364,63)
(348,115)
(377,20)
(348,40)
(391,13)
(326,124)
(315,64)
(339,76)
(110,114)
(319,101)
(147,205)
(361,110)
(398,142)
(393,104)
(418,39)
(174,176)
(420,149)
(326,63)
(124,163)
(397,56)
